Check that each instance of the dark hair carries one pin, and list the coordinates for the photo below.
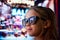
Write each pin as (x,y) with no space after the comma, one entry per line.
(46,13)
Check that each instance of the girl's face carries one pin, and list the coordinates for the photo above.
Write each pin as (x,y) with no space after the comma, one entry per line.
(34,29)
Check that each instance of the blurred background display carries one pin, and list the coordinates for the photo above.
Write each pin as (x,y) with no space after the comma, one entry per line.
(11,14)
(21,3)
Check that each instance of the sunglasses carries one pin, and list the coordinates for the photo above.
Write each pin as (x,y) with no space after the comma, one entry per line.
(32,20)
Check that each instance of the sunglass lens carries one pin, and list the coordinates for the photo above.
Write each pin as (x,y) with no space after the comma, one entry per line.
(23,22)
(32,20)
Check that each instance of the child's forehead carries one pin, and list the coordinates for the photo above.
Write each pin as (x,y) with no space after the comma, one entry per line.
(31,13)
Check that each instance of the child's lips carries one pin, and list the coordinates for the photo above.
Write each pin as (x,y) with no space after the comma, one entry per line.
(30,29)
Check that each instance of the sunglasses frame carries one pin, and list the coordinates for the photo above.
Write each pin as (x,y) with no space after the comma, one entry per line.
(32,20)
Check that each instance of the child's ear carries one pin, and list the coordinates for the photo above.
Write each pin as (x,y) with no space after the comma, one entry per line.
(47,23)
